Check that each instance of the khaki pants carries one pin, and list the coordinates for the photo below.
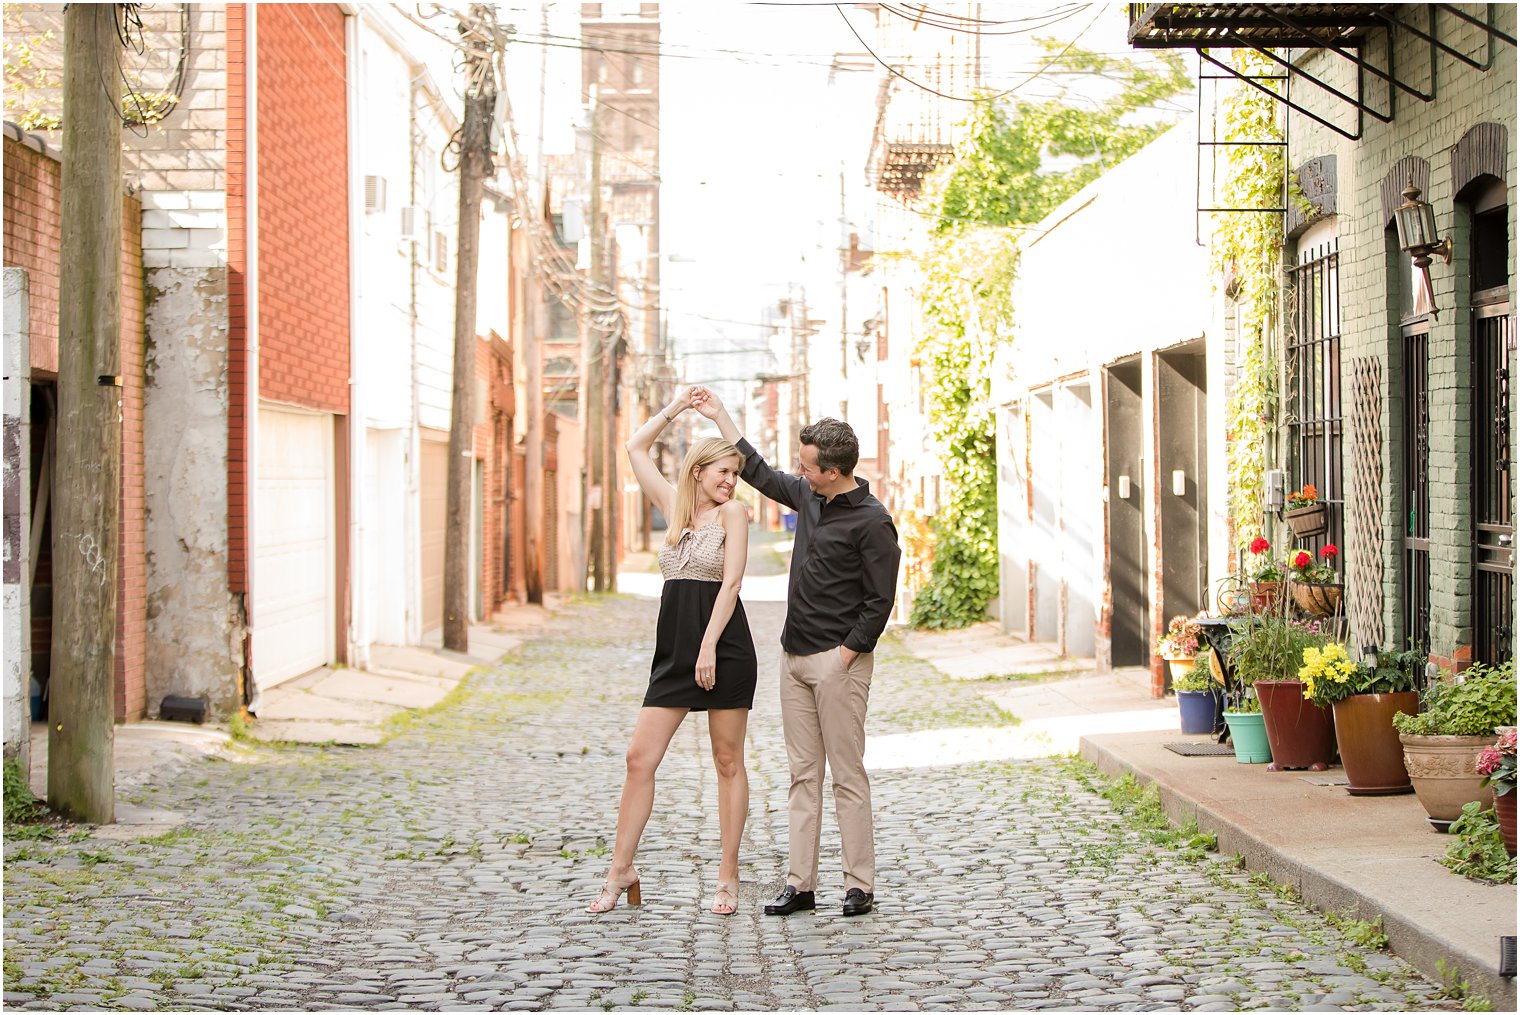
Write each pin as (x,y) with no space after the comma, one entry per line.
(823,714)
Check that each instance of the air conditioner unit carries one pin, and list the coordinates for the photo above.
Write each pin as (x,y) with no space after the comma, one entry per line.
(409,222)
(374,193)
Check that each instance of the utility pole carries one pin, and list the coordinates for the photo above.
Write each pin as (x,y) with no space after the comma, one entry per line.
(598,495)
(87,513)
(475,164)
(533,337)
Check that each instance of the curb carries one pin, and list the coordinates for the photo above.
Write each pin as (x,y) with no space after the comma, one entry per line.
(1408,937)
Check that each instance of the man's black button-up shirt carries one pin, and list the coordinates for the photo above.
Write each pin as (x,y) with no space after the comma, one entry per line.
(844,561)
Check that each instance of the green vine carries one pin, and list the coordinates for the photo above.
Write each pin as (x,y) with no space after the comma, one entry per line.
(1002,177)
(1248,246)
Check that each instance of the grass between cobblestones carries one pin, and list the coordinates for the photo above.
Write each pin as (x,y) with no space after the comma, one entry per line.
(450,865)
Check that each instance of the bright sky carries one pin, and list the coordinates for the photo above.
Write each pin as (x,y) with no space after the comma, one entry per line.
(755,136)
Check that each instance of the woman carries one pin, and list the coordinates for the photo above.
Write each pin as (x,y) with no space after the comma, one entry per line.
(704,657)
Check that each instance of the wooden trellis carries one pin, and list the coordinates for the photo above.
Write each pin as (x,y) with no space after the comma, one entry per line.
(1365,580)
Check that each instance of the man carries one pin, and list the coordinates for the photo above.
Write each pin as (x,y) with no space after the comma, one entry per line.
(843,581)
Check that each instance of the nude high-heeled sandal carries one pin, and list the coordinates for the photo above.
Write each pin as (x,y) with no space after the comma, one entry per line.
(612,891)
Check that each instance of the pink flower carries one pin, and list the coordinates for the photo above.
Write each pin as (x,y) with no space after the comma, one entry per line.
(1488,761)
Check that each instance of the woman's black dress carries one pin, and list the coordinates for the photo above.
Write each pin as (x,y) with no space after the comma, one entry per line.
(693,571)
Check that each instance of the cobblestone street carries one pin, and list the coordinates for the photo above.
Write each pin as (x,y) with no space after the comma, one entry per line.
(449,868)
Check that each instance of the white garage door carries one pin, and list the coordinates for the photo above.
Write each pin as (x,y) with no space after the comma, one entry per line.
(293,606)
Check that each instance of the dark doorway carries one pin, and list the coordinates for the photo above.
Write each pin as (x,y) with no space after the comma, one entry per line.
(1124,423)
(1493,492)
(1181,394)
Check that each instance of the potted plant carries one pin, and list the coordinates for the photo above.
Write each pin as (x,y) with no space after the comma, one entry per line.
(1497,764)
(1315,589)
(1266,577)
(1364,698)
(1179,646)
(1248,733)
(1200,704)
(1306,513)
(1457,720)
(1266,651)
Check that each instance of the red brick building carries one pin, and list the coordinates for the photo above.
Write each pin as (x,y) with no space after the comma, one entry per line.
(33,237)
(288,212)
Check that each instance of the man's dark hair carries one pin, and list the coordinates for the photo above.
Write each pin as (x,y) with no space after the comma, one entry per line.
(836,443)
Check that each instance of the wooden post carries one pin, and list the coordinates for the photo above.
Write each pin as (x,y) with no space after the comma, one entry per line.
(597,491)
(87,505)
(474,166)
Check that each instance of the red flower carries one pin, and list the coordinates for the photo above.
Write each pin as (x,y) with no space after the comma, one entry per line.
(1329,551)
(1303,558)
(1260,545)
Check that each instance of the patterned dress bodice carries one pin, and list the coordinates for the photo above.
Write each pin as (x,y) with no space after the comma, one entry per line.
(697,556)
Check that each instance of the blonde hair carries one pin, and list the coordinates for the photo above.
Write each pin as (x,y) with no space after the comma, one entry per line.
(702,454)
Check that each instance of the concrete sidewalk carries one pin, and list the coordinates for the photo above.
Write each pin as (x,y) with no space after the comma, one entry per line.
(1362,857)
(349,707)
(339,706)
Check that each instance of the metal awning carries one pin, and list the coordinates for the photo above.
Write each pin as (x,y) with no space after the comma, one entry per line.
(1189,26)
(1275,31)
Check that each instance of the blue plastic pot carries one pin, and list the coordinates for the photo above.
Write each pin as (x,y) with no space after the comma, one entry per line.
(1248,734)
(1201,711)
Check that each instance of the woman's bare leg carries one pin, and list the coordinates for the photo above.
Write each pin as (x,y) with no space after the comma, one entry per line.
(727,729)
(646,748)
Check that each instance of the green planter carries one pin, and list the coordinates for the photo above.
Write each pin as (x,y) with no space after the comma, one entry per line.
(1248,734)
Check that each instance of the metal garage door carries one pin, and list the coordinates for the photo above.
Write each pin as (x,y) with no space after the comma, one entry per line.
(293,610)
(435,515)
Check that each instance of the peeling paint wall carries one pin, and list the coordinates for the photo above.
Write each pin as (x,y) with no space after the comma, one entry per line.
(17,608)
(195,624)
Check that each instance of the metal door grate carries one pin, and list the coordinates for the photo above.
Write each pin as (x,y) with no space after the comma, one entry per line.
(1417,485)
(1314,384)
(1493,494)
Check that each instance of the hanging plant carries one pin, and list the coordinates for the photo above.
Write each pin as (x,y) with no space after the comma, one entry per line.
(1248,245)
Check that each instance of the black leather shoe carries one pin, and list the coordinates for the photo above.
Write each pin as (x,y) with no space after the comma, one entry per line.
(858,903)
(789,901)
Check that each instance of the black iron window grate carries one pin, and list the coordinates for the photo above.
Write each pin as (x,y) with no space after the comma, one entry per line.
(1493,492)
(1416,578)
(1313,383)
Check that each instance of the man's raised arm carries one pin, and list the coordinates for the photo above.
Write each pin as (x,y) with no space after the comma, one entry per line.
(757,472)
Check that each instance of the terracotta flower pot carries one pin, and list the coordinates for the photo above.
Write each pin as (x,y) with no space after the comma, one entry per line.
(1317,600)
(1301,733)
(1308,521)
(1504,811)
(1265,596)
(1444,772)
(1369,745)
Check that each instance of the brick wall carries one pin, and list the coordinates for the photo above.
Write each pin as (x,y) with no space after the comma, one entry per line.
(1464,97)
(132,591)
(32,233)
(32,241)
(303,206)
(494,449)
(237,299)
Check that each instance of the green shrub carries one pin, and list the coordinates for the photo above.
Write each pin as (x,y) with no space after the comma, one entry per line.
(1484,699)
(1200,677)
(1270,647)
(20,806)
(1478,850)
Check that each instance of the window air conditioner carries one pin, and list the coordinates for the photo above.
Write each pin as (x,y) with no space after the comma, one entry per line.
(374,193)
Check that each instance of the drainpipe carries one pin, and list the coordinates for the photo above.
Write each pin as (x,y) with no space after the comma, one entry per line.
(358,628)
(413,513)
(251,309)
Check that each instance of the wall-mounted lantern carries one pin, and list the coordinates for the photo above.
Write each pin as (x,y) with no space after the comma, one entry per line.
(1416,223)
